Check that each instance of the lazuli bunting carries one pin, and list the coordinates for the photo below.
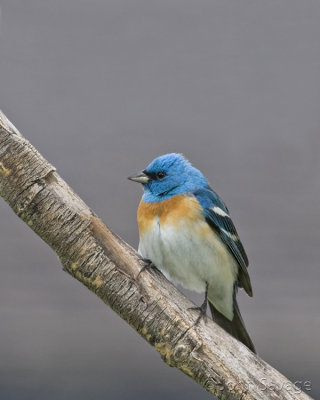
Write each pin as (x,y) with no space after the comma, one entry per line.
(186,231)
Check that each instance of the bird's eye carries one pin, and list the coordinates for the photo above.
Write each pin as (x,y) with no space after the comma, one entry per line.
(161,175)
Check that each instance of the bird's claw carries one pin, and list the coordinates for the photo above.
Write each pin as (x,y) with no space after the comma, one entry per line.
(203,308)
(147,264)
(202,312)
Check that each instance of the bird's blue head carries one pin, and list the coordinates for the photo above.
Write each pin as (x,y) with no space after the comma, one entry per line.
(167,176)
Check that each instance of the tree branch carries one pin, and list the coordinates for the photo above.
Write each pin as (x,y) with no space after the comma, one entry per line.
(110,268)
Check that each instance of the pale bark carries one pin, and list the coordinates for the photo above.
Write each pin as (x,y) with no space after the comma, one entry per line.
(110,268)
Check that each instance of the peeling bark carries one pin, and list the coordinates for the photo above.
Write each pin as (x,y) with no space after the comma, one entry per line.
(110,268)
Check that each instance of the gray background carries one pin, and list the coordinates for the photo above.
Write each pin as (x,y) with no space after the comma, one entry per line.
(101,88)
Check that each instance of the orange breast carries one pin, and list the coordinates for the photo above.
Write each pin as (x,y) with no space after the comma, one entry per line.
(168,212)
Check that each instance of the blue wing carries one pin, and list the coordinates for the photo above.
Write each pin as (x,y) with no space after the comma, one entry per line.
(216,214)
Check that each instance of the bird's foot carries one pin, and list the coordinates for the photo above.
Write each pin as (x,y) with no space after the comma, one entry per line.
(147,264)
(203,308)
(202,312)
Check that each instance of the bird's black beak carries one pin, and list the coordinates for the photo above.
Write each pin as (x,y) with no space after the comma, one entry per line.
(140,177)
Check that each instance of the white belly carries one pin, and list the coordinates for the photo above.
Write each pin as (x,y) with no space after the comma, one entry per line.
(191,258)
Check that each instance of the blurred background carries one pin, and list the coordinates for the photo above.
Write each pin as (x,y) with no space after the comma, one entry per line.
(101,87)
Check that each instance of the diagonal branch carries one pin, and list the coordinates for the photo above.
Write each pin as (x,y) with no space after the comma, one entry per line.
(110,268)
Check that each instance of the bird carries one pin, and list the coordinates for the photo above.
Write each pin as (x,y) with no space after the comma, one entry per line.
(186,231)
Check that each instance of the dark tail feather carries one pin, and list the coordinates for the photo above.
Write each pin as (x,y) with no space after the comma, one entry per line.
(236,327)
